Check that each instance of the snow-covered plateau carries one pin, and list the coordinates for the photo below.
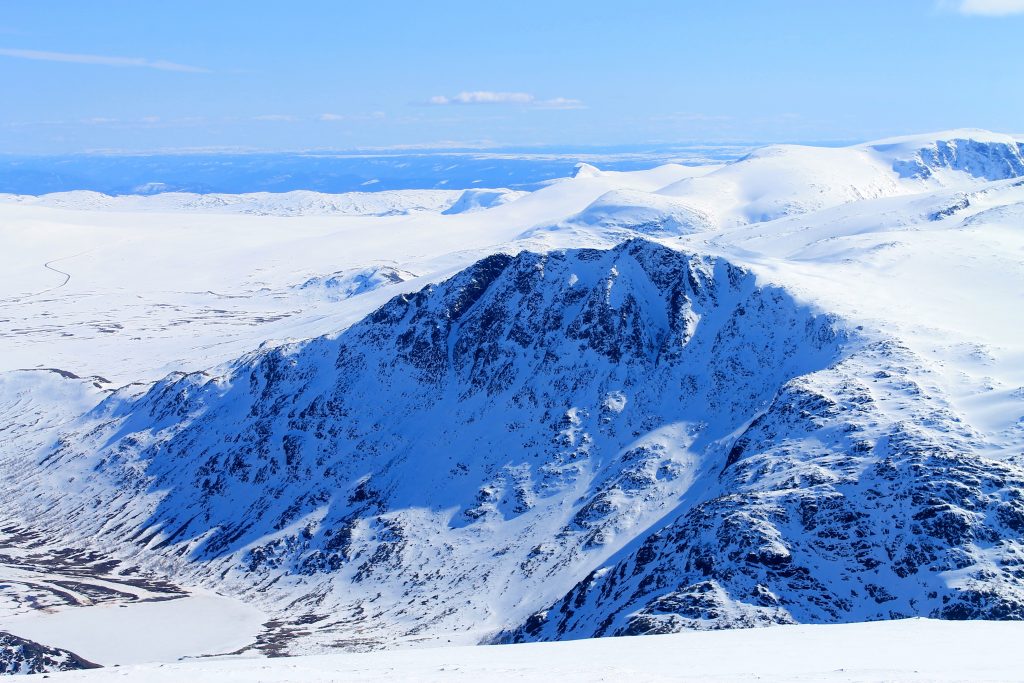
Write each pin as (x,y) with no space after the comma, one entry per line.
(785,391)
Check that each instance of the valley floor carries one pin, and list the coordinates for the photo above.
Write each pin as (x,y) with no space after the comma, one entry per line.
(907,650)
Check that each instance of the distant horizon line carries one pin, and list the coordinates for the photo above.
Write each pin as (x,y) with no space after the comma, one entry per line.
(443,147)
(538,149)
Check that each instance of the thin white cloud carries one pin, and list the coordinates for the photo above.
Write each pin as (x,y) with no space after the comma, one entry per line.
(492,97)
(990,8)
(369,116)
(687,117)
(73,58)
(275,117)
(559,103)
(484,97)
(143,122)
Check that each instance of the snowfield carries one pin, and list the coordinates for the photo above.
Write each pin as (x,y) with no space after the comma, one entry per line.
(167,630)
(908,650)
(786,390)
(130,295)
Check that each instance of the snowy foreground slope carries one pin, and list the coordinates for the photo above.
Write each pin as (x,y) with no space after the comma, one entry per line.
(788,389)
(909,650)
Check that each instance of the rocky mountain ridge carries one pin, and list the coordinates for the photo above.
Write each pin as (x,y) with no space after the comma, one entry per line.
(540,409)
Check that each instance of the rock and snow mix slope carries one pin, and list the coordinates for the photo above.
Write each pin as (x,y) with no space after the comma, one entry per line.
(859,494)
(21,656)
(799,398)
(542,407)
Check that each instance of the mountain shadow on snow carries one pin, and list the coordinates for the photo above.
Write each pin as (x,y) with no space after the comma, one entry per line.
(577,443)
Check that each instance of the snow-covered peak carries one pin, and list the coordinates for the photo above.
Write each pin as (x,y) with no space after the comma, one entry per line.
(544,404)
(642,212)
(585,170)
(477,200)
(944,156)
(783,180)
(777,181)
(919,140)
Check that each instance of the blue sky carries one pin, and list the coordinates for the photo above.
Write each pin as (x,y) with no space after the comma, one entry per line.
(340,75)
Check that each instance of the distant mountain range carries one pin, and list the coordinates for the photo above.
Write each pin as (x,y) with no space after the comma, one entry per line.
(330,172)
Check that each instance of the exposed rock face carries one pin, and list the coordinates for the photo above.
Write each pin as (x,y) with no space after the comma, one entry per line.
(21,656)
(988,160)
(475,447)
(858,495)
(344,284)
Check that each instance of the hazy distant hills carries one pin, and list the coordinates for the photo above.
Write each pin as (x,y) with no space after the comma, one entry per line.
(118,173)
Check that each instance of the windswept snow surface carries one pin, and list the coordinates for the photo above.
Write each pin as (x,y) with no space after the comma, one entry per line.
(132,295)
(787,389)
(908,650)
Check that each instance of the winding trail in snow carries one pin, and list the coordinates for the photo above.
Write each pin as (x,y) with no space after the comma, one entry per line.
(67,276)
(48,266)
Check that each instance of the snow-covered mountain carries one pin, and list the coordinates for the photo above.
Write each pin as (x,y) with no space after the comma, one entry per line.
(978,153)
(475,200)
(859,494)
(543,406)
(789,389)
(785,180)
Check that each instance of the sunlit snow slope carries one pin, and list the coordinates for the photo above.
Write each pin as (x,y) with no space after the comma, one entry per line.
(909,650)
